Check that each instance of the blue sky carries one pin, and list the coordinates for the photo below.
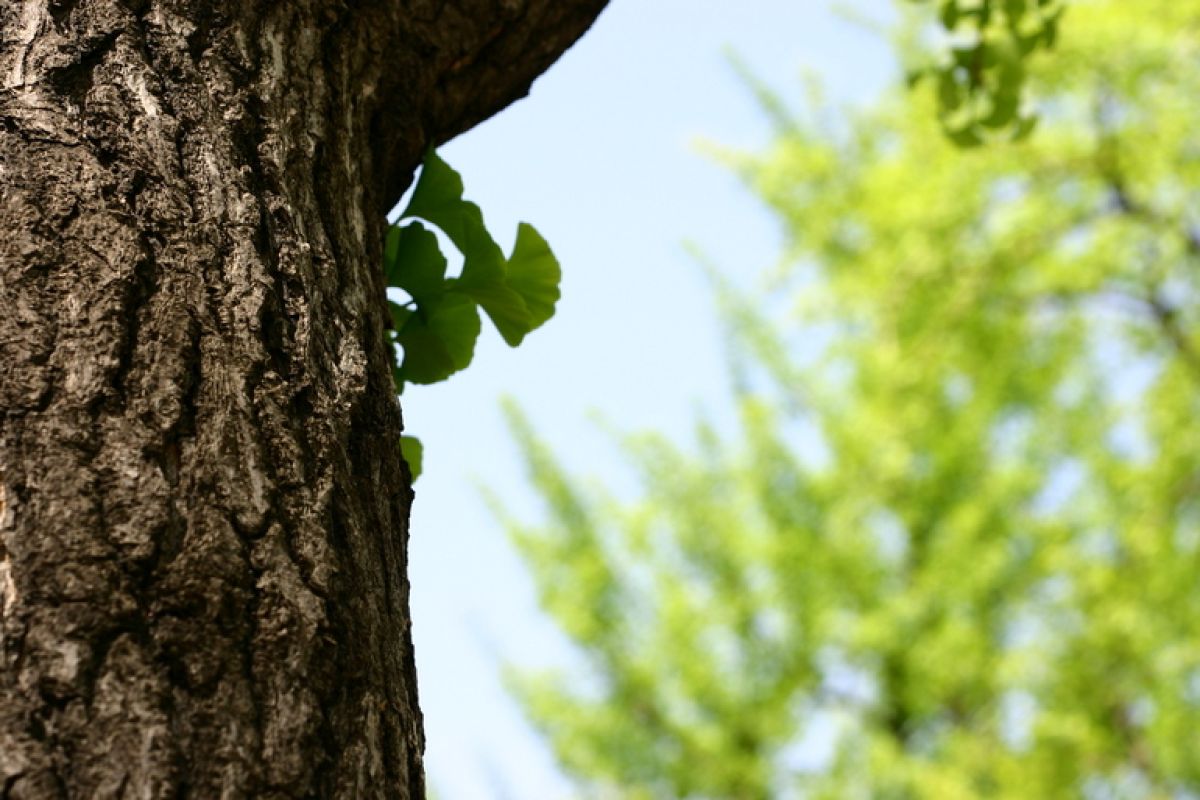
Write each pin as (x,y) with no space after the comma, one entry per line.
(602,159)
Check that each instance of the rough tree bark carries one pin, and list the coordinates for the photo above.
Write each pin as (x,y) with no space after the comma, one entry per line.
(203,513)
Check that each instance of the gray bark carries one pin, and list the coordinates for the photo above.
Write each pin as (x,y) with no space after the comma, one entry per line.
(203,511)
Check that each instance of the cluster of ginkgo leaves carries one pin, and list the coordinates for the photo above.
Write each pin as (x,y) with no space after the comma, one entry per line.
(439,324)
(980,72)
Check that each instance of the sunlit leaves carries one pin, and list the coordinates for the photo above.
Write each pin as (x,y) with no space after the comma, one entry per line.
(437,328)
(413,261)
(414,454)
(980,72)
(438,338)
(437,331)
(534,273)
(948,547)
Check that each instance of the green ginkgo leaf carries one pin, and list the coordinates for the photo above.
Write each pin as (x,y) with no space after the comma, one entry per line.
(1024,127)
(438,198)
(439,340)
(966,136)
(399,314)
(503,304)
(420,267)
(438,329)
(391,253)
(413,453)
(949,14)
(534,273)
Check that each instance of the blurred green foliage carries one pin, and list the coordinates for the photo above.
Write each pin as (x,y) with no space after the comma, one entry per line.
(979,63)
(953,548)
(437,327)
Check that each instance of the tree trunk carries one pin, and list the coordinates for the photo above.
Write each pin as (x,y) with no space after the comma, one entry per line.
(203,511)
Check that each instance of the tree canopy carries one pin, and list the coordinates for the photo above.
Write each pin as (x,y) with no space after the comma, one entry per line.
(951,549)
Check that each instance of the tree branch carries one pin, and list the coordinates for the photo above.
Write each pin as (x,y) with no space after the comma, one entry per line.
(478,57)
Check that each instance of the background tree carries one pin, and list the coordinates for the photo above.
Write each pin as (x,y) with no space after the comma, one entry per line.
(980,52)
(203,510)
(951,550)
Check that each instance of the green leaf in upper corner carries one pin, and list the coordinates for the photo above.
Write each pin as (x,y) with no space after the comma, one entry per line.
(518,294)
(949,14)
(966,136)
(951,93)
(419,267)
(439,339)
(1005,95)
(413,453)
(1024,127)
(503,304)
(535,274)
(391,253)
(399,314)
(438,198)
(522,296)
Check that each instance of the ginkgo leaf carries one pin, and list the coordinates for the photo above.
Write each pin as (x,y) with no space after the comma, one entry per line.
(391,251)
(438,198)
(399,315)
(437,331)
(503,304)
(534,273)
(420,267)
(413,453)
(439,340)
(522,296)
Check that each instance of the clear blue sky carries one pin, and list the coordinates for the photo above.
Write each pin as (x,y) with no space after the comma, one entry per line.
(601,158)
